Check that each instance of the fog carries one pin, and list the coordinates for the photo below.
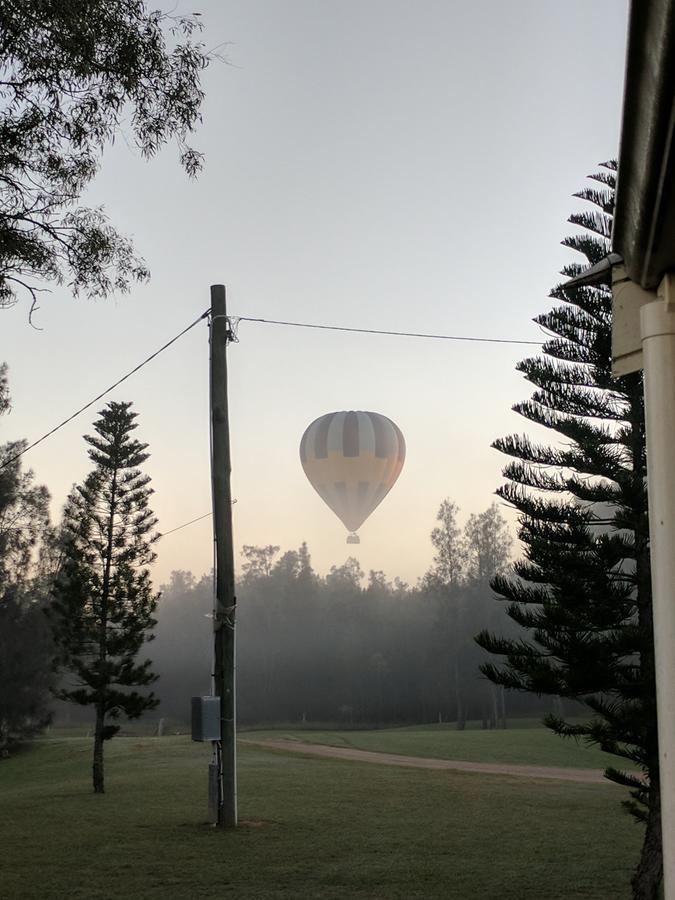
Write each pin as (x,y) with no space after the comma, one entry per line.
(347,648)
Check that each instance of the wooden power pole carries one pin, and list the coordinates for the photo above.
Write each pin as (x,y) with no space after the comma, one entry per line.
(225,605)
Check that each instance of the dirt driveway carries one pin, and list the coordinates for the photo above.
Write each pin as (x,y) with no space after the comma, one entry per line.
(588,776)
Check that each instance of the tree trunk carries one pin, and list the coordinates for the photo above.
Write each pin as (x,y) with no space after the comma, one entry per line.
(502,708)
(459,700)
(97,768)
(646,881)
(495,707)
(103,643)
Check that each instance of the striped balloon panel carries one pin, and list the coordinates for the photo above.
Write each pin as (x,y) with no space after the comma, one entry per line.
(352,459)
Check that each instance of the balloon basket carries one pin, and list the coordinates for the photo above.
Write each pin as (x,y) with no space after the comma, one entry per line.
(353,539)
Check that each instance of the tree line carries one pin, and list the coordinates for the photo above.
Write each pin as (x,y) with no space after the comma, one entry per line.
(345,647)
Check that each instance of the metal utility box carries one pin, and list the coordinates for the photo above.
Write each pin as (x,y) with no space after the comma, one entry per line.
(206,718)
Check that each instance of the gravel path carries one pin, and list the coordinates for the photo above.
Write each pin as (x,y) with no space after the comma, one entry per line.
(587,776)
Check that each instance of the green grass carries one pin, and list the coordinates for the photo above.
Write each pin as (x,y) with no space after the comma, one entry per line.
(527,746)
(316,829)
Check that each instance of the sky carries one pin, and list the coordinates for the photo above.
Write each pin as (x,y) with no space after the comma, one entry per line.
(369,163)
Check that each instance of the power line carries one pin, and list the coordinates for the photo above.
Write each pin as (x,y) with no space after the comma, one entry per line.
(185,524)
(56,428)
(414,334)
(191,522)
(234,320)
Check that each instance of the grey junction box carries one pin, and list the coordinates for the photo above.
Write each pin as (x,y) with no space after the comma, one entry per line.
(206,718)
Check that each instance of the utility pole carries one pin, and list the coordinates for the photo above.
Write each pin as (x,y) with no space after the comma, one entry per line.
(225,605)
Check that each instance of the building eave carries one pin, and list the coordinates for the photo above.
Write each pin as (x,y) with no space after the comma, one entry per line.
(644,218)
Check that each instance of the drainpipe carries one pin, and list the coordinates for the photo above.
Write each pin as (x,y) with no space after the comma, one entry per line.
(657,322)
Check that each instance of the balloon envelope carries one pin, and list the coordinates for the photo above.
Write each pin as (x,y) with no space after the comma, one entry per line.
(352,459)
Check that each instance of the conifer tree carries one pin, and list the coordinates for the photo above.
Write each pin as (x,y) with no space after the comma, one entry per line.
(103,602)
(583,590)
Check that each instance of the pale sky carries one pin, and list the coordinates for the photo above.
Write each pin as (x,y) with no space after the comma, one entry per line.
(369,163)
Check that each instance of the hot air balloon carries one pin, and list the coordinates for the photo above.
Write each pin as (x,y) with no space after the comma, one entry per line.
(352,460)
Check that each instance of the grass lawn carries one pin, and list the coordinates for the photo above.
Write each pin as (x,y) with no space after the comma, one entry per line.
(533,745)
(312,828)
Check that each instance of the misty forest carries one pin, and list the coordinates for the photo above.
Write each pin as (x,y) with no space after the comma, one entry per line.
(346,649)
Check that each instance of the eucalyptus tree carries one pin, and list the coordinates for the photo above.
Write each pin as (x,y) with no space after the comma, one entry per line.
(74,77)
(456,583)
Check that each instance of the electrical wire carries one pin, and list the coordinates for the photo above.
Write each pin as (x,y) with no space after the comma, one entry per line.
(234,320)
(185,524)
(56,428)
(413,334)
(191,522)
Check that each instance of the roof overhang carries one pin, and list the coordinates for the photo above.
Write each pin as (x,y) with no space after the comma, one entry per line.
(644,217)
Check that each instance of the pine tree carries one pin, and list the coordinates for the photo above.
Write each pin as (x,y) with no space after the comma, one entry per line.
(583,590)
(103,602)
